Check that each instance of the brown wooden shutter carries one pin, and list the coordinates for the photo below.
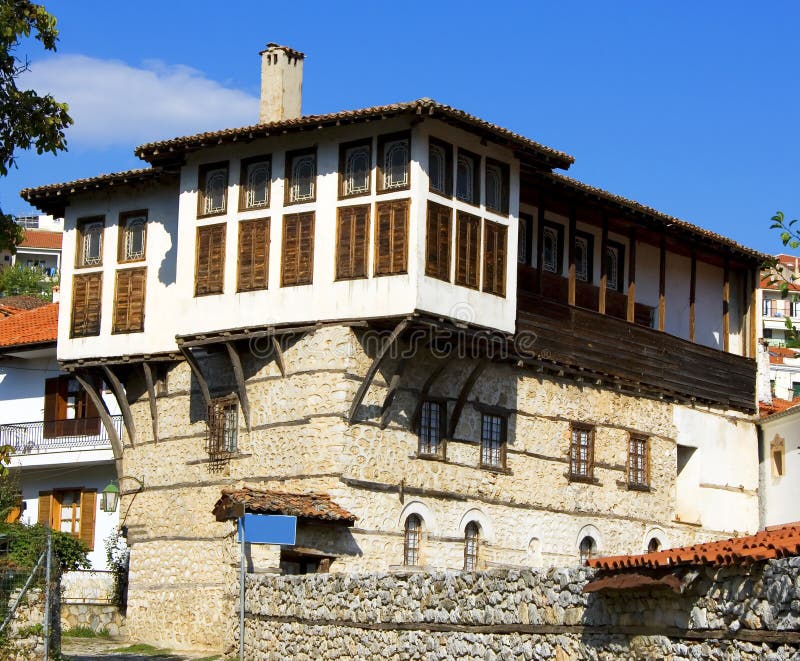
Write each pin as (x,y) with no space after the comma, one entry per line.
(468,239)
(391,237)
(297,260)
(87,293)
(253,262)
(88,504)
(210,260)
(129,300)
(494,258)
(45,508)
(352,239)
(437,241)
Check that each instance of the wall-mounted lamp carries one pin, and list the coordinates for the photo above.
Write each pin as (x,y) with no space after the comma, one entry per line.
(109,498)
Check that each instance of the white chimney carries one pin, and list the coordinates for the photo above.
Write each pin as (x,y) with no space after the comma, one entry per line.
(281,84)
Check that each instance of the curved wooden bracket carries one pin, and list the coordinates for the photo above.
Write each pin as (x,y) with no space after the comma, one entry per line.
(151,396)
(198,374)
(462,396)
(278,351)
(105,417)
(122,401)
(376,363)
(241,386)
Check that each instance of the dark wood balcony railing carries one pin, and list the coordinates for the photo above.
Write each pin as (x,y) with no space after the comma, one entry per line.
(51,435)
(635,355)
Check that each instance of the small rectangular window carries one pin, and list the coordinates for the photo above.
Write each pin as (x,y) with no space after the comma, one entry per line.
(212,187)
(352,241)
(497,175)
(438,239)
(431,428)
(468,177)
(777,449)
(638,461)
(253,262)
(391,237)
(525,238)
(301,176)
(209,270)
(584,256)
(87,293)
(132,239)
(394,161)
(355,168)
(89,247)
(494,258)
(552,248)
(493,440)
(254,183)
(129,299)
(615,264)
(581,453)
(440,167)
(297,260)
(468,246)
(223,425)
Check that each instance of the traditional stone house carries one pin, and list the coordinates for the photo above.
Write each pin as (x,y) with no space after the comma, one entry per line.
(404,325)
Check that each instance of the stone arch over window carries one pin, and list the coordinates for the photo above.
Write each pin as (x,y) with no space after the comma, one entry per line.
(588,542)
(655,539)
(485,523)
(412,540)
(472,544)
(535,552)
(424,512)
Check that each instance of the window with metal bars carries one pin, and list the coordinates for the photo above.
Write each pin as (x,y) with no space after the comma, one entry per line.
(223,425)
(638,462)
(431,425)
(254,183)
(472,536)
(212,189)
(412,540)
(581,454)
(587,549)
(493,440)
(90,242)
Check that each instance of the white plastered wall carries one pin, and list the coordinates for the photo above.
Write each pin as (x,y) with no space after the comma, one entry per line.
(780,493)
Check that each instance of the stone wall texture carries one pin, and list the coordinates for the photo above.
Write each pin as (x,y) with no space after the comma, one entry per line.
(523,614)
(184,563)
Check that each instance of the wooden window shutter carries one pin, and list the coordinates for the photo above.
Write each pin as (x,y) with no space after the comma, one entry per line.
(352,239)
(468,240)
(297,260)
(391,237)
(87,293)
(88,504)
(129,301)
(210,260)
(494,258)
(437,242)
(45,508)
(253,261)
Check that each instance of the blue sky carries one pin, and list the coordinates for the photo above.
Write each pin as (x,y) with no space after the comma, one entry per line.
(691,108)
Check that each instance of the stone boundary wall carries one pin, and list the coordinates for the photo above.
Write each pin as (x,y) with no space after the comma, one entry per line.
(523,614)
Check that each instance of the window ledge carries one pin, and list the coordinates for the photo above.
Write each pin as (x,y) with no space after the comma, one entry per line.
(503,470)
(583,479)
(429,457)
(646,488)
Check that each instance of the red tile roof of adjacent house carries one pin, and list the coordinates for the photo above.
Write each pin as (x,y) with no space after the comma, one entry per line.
(42,239)
(777,354)
(775,542)
(30,327)
(777,406)
(301,505)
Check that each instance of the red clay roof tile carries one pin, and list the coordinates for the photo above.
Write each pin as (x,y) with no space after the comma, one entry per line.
(41,239)
(30,327)
(301,505)
(776,406)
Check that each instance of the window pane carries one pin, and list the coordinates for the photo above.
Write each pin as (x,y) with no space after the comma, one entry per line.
(464,178)
(302,182)
(413,533)
(257,194)
(92,243)
(494,187)
(215,189)
(437,164)
(135,238)
(395,164)
(550,251)
(492,440)
(471,541)
(430,428)
(356,170)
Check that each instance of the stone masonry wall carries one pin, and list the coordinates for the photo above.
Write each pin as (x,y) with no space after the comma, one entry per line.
(523,614)
(184,563)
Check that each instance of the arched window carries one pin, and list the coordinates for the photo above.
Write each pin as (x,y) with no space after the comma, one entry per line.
(522,242)
(494,187)
(134,241)
(356,170)
(587,548)
(257,185)
(472,536)
(92,249)
(395,164)
(302,179)
(216,184)
(653,545)
(550,250)
(412,539)
(465,176)
(437,168)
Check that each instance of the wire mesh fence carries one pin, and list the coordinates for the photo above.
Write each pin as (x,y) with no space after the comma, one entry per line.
(15,583)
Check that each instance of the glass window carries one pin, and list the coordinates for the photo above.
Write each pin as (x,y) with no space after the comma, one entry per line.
(356,164)
(615,264)
(581,455)
(440,167)
(653,546)
(492,440)
(638,472)
(551,249)
(395,164)
(467,188)
(584,247)
(213,189)
(90,242)
(471,546)
(255,183)
(302,178)
(496,186)
(587,549)
(133,236)
(430,428)
(412,539)
(522,241)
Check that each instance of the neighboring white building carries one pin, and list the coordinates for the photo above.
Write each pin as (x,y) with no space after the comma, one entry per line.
(779,455)
(41,247)
(775,309)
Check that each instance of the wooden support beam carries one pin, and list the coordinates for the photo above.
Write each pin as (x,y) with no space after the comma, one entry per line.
(571,257)
(376,363)
(423,393)
(631,313)
(753,313)
(462,396)
(692,295)
(278,350)
(122,402)
(105,417)
(662,282)
(394,386)
(726,306)
(241,386)
(539,245)
(151,396)
(601,303)
(198,374)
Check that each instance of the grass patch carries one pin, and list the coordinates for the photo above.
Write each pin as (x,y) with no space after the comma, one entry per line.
(143,648)
(214,657)
(85,632)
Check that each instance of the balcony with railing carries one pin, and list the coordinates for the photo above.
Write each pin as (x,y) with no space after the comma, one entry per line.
(28,438)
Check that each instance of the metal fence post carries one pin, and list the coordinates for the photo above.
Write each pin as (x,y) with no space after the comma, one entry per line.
(47,589)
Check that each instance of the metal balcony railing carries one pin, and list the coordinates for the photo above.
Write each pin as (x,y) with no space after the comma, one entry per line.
(51,435)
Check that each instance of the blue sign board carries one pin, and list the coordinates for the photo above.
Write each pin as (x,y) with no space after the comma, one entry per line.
(268,529)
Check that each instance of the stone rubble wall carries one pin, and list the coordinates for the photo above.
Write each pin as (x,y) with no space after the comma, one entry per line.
(24,636)
(523,614)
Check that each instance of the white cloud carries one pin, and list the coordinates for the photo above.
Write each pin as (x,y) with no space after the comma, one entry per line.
(115,104)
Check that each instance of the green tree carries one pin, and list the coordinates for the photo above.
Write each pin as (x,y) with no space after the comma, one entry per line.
(27,119)
(780,276)
(19,280)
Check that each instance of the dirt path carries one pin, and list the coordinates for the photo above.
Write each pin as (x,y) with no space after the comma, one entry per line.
(103,649)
